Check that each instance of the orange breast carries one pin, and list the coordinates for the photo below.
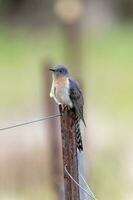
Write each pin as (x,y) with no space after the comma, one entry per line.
(60,82)
(60,87)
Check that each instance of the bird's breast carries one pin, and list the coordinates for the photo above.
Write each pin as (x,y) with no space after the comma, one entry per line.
(61,91)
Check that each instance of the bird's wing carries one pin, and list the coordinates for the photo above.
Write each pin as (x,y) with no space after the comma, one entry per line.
(76,98)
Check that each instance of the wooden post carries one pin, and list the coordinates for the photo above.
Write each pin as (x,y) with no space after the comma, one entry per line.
(69,150)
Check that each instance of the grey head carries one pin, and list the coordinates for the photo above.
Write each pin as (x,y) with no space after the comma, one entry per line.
(59,71)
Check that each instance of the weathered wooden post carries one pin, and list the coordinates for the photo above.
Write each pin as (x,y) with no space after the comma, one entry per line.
(69,151)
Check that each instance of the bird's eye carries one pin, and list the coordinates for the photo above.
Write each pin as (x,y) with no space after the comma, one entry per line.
(60,71)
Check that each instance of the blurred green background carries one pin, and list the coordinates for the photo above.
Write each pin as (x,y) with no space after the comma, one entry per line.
(95,40)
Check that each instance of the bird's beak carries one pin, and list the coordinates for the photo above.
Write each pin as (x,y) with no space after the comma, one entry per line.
(52,69)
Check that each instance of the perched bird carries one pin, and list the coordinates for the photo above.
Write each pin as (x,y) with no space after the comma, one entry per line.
(65,91)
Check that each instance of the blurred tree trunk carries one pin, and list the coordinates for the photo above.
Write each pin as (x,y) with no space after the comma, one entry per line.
(54,136)
(72,44)
(69,14)
(126,9)
(14,7)
(32,12)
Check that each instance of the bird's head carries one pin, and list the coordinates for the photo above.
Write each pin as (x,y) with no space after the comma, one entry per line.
(59,71)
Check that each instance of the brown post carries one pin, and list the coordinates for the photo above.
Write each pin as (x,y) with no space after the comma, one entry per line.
(69,150)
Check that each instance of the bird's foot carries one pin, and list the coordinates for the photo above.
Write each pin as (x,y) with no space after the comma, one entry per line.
(64,106)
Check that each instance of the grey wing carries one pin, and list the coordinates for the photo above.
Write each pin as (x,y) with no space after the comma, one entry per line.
(77,99)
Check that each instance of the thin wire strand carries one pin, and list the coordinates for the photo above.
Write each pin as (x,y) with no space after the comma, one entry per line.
(78,184)
(87,185)
(30,122)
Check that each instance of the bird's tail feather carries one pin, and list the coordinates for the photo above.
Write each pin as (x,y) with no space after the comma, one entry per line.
(79,142)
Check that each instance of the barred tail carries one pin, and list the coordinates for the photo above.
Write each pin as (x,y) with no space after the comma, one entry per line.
(79,142)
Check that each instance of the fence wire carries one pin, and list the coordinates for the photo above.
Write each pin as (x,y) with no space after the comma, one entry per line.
(30,122)
(86,191)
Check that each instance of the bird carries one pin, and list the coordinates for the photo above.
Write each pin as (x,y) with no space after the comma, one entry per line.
(66,92)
